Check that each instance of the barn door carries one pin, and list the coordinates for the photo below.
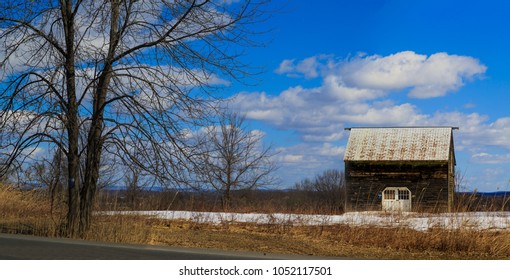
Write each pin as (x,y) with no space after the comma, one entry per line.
(396,199)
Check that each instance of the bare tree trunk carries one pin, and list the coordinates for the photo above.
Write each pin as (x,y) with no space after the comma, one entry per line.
(74,196)
(92,164)
(226,199)
(74,178)
(95,141)
(91,178)
(72,122)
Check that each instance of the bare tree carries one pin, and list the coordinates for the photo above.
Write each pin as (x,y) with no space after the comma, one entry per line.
(51,175)
(326,190)
(331,188)
(125,78)
(135,181)
(234,158)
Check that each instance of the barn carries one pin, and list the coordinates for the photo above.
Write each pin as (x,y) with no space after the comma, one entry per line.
(400,168)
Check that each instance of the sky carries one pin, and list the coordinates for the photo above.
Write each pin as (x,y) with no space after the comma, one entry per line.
(329,65)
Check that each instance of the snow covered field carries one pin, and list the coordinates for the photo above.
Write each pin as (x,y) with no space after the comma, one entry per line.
(417,221)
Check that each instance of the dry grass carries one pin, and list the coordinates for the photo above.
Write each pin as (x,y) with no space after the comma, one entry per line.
(18,203)
(30,213)
(327,240)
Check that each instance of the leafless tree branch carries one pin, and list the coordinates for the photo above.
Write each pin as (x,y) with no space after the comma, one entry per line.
(122,80)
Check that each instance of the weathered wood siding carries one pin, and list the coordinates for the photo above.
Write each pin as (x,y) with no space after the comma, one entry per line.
(429,183)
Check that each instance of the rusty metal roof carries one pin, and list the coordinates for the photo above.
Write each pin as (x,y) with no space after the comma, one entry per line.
(399,144)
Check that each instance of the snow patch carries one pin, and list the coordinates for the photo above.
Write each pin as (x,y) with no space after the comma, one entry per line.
(416,221)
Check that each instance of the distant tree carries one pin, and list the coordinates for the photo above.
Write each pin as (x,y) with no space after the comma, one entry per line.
(326,190)
(331,188)
(51,174)
(136,181)
(234,158)
(304,185)
(114,77)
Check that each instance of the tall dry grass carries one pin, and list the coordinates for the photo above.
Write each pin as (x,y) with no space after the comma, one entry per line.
(437,243)
(28,212)
(31,212)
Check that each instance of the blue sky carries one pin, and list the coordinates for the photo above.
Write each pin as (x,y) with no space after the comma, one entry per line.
(336,64)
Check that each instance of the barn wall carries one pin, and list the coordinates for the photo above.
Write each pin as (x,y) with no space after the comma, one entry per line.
(428,184)
(451,179)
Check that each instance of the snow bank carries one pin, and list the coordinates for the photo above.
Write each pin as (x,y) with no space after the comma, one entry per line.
(422,222)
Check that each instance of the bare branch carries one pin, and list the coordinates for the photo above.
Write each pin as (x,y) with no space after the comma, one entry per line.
(119,82)
(234,158)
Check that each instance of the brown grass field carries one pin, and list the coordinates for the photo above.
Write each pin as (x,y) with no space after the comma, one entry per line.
(30,212)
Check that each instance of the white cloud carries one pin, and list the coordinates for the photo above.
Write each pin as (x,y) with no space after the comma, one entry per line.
(357,91)
(308,68)
(335,88)
(328,149)
(404,114)
(324,138)
(476,133)
(291,159)
(258,134)
(319,114)
(487,158)
(305,160)
(286,66)
(427,77)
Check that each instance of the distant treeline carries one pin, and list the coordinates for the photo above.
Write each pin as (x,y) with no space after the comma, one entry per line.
(261,201)
(308,201)
(323,194)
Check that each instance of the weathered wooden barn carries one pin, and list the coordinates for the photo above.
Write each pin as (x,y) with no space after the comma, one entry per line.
(400,168)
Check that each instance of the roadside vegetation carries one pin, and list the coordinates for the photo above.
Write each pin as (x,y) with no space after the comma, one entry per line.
(30,212)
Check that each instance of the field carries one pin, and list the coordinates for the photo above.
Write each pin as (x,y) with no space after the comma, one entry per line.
(372,235)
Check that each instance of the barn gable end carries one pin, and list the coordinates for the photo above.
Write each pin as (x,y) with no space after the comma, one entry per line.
(420,159)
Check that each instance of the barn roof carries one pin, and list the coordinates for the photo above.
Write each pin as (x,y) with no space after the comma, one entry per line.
(399,144)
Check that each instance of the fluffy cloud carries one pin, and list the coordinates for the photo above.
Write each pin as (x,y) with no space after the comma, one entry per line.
(308,68)
(319,114)
(357,91)
(427,77)
(477,135)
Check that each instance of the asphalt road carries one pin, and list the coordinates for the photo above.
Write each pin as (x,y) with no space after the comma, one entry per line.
(15,247)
